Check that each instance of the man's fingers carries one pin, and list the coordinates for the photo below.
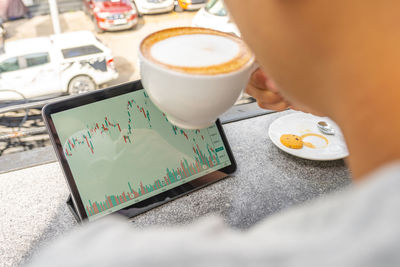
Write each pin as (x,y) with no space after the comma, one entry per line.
(271,86)
(264,96)
(259,79)
(265,92)
(276,106)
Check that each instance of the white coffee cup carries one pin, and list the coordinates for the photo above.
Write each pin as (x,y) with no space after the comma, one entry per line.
(191,93)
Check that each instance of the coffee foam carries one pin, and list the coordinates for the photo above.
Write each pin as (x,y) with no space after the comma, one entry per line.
(196,51)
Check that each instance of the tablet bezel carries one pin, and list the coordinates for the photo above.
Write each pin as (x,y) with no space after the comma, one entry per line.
(145,204)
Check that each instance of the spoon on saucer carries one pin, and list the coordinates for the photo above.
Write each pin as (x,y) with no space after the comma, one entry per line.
(326,128)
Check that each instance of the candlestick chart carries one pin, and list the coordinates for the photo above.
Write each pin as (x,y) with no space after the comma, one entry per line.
(123,150)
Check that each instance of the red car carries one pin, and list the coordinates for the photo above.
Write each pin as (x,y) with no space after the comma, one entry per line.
(111,15)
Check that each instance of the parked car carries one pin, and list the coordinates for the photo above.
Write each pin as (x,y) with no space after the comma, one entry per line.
(44,67)
(154,6)
(112,15)
(215,16)
(181,5)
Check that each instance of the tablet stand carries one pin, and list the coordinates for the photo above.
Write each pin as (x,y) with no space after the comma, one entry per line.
(72,208)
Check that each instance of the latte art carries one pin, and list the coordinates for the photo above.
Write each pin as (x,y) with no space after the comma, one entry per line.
(196,51)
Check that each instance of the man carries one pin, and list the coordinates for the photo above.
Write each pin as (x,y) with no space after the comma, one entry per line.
(339,58)
(331,57)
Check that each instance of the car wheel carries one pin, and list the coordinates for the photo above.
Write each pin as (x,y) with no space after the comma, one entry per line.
(96,27)
(139,14)
(178,8)
(81,84)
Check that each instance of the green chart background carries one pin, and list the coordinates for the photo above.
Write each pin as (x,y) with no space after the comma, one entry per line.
(154,147)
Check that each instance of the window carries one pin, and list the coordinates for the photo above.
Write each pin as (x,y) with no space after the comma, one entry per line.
(10,64)
(81,51)
(37,59)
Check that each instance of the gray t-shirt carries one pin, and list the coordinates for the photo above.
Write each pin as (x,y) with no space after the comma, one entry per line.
(359,226)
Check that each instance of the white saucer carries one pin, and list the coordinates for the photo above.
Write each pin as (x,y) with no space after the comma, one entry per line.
(300,123)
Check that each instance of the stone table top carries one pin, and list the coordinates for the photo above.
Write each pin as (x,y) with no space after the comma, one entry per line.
(33,210)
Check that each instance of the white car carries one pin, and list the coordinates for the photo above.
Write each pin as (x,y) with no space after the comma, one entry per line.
(43,67)
(154,6)
(215,16)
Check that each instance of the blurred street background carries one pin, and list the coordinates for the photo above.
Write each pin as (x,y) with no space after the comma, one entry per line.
(123,44)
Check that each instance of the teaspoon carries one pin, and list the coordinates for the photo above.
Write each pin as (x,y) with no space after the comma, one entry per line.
(326,128)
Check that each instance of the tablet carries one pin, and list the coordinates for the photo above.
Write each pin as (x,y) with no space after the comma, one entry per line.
(120,154)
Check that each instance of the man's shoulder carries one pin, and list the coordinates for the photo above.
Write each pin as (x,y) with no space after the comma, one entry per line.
(366,199)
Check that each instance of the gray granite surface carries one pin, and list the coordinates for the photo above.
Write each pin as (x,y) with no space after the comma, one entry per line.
(26,159)
(33,210)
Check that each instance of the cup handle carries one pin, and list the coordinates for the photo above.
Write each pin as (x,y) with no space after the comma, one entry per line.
(254,67)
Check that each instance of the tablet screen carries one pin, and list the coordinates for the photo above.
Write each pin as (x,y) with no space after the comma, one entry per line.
(123,150)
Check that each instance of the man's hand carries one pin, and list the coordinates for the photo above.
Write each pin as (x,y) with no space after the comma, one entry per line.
(265,92)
